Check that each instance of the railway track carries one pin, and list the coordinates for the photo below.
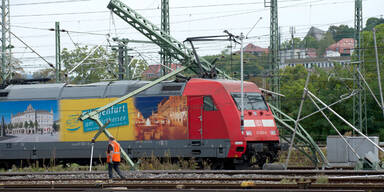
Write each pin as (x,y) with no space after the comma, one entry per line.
(193,187)
(310,180)
(226,172)
(376,179)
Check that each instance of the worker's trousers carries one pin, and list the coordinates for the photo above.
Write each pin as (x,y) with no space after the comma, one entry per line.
(115,166)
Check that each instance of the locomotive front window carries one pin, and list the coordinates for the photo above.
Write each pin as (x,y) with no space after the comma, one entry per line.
(209,105)
(252,101)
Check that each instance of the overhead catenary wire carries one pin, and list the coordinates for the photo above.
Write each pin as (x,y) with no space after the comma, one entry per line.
(47,2)
(50,64)
(214,46)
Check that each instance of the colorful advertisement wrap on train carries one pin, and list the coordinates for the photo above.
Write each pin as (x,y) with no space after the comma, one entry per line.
(139,118)
(29,121)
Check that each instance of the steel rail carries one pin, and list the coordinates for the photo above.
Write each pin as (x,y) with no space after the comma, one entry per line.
(143,186)
(225,172)
(334,179)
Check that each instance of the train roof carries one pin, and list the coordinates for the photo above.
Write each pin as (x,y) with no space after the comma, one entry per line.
(94,90)
(230,85)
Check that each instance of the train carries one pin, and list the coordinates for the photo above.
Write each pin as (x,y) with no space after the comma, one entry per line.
(198,118)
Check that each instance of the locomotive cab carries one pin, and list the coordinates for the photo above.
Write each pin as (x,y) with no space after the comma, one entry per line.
(260,131)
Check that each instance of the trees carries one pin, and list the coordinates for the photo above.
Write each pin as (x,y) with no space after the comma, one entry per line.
(372,22)
(329,85)
(288,44)
(341,31)
(374,114)
(230,64)
(309,42)
(13,70)
(324,84)
(100,65)
(55,127)
(44,73)
(324,43)
(3,126)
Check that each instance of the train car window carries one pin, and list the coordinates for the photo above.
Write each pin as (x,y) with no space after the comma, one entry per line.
(3,94)
(209,105)
(252,101)
(171,88)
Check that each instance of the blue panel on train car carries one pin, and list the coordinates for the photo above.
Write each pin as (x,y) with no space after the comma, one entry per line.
(117,115)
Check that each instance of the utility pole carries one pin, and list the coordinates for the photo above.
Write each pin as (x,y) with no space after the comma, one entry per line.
(122,50)
(165,27)
(123,58)
(58,50)
(5,41)
(274,50)
(292,30)
(242,83)
(127,61)
(359,100)
(378,70)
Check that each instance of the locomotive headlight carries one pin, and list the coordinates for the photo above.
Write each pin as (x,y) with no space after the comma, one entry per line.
(273,132)
(248,133)
(238,142)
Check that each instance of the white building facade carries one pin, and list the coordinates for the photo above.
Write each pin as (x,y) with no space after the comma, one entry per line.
(317,62)
(43,119)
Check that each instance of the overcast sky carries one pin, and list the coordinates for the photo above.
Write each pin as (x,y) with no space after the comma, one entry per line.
(30,20)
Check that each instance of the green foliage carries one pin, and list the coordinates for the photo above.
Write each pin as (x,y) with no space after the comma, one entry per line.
(327,86)
(372,22)
(137,67)
(330,86)
(374,114)
(100,65)
(55,127)
(45,73)
(309,42)
(322,179)
(287,181)
(230,64)
(167,163)
(341,31)
(26,125)
(288,44)
(325,43)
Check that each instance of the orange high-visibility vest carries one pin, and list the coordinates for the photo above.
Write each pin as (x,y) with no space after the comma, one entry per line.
(115,153)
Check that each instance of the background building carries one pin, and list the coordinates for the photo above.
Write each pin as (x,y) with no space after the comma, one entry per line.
(32,121)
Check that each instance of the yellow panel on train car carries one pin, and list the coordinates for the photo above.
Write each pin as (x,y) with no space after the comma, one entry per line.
(122,117)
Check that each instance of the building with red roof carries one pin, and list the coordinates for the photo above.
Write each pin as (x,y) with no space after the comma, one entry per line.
(255,50)
(154,71)
(344,47)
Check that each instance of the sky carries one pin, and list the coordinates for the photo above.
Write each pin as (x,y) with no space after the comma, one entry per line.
(89,22)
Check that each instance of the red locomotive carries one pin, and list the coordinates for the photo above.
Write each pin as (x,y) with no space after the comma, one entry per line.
(197,119)
(220,120)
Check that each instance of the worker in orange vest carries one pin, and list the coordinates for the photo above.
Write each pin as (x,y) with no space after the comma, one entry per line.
(113,158)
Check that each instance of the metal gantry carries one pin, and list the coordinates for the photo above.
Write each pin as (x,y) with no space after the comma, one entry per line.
(303,142)
(174,48)
(274,50)
(189,59)
(165,26)
(58,52)
(6,53)
(359,101)
(124,59)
